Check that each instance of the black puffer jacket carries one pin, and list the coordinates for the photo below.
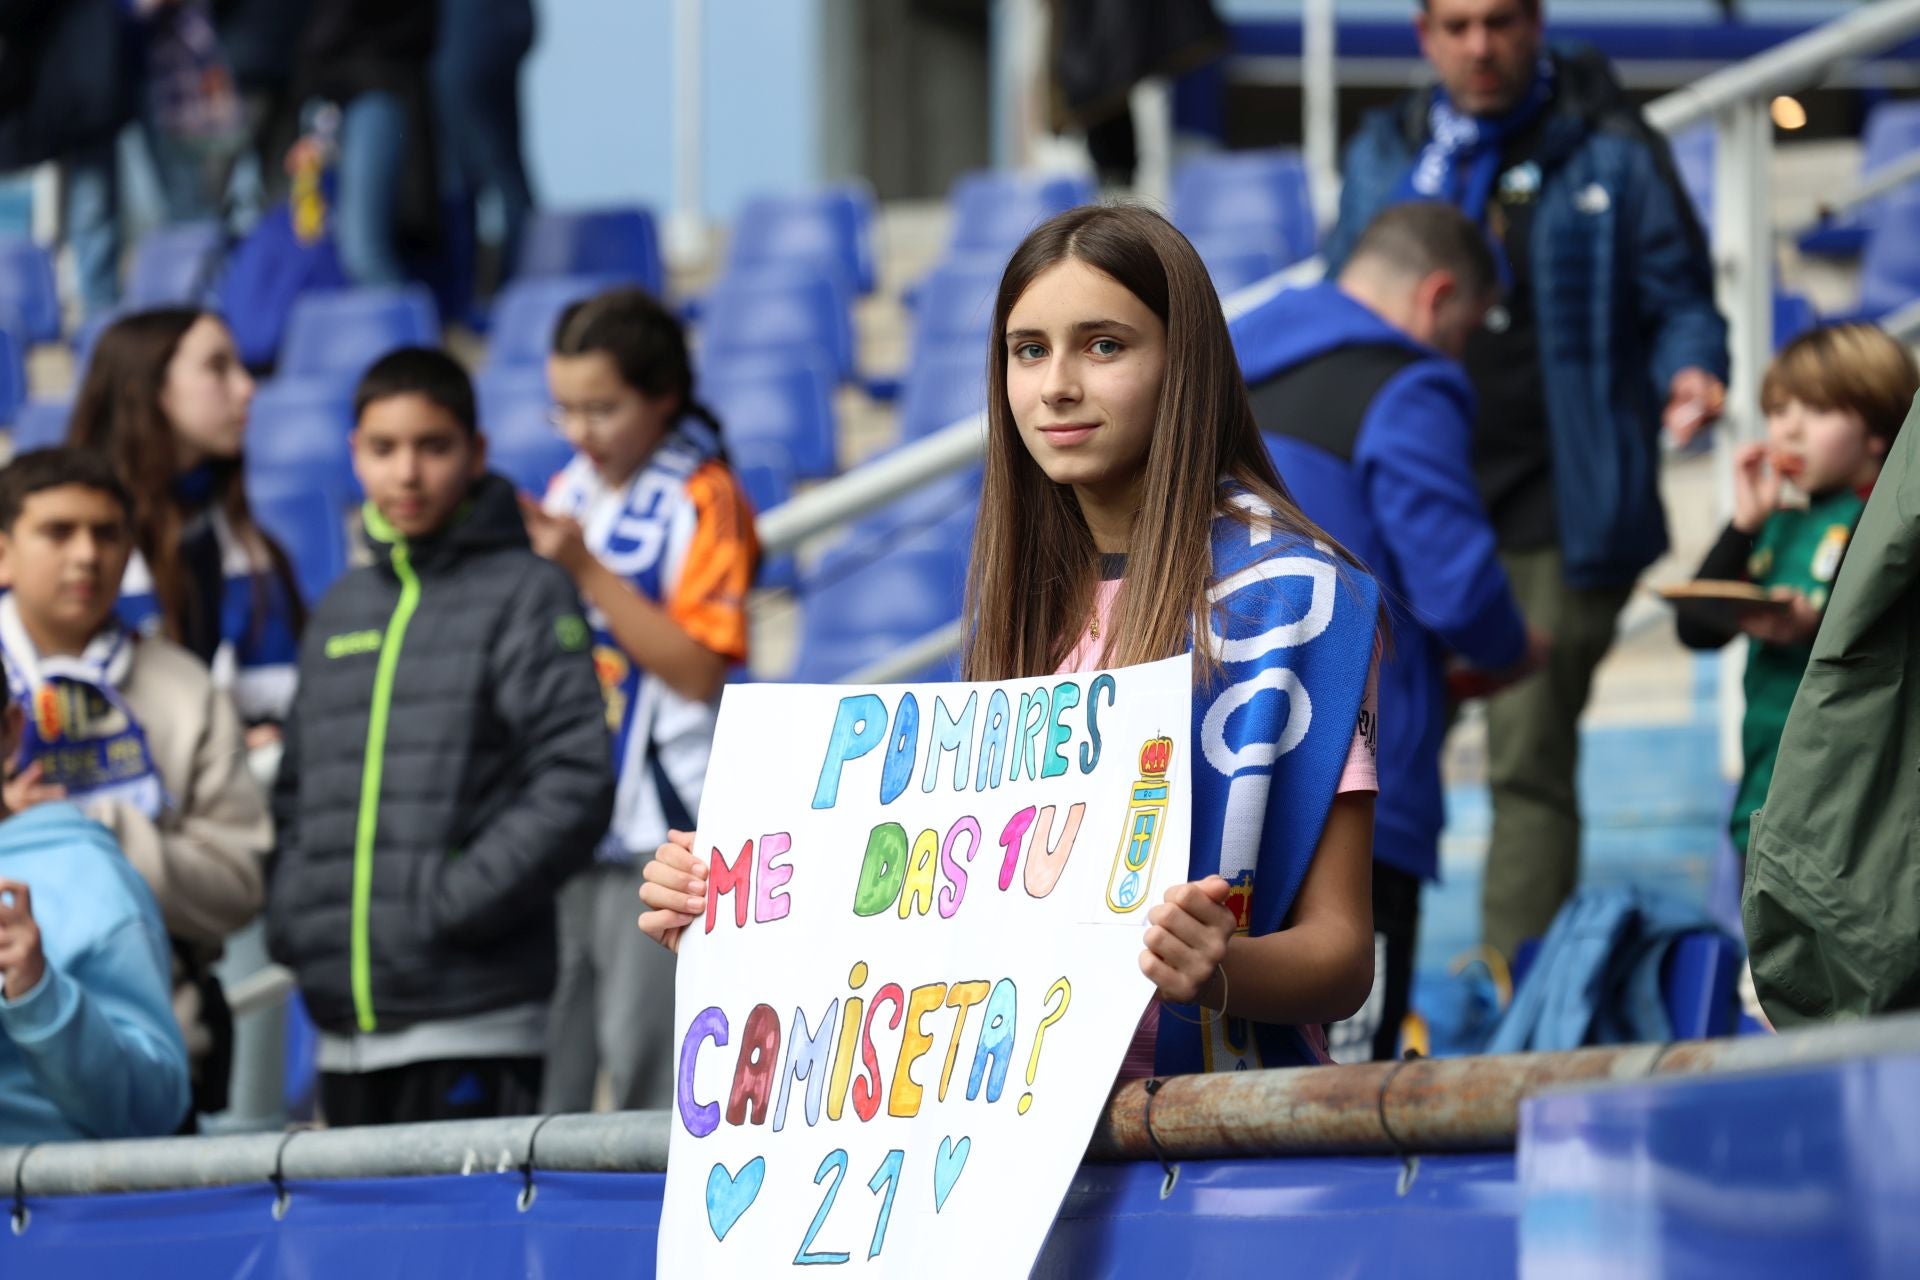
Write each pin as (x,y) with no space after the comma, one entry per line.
(447,767)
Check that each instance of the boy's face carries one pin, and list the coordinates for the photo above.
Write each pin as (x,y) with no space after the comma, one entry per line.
(416,462)
(615,426)
(64,558)
(1822,450)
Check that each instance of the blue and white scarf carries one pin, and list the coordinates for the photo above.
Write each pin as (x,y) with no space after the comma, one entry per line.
(640,531)
(1271,737)
(79,728)
(1461,161)
(259,647)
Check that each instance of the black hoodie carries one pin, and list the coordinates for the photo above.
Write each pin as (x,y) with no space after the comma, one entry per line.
(447,768)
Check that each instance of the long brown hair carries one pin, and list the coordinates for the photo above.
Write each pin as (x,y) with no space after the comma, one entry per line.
(117,415)
(1035,566)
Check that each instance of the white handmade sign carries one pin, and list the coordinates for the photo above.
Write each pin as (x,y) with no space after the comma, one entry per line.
(918,970)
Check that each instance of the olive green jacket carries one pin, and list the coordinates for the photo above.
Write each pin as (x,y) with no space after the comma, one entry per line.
(1832,901)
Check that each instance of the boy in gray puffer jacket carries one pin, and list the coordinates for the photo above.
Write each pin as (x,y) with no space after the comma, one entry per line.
(446,770)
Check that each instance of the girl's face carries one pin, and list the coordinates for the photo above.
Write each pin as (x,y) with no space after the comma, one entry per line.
(615,426)
(206,395)
(1084,364)
(1821,450)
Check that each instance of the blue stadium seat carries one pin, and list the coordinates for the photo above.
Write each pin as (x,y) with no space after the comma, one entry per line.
(1234,264)
(175,266)
(858,197)
(516,416)
(40,424)
(994,210)
(1697,985)
(1793,315)
(764,473)
(787,408)
(875,609)
(297,437)
(780,314)
(87,336)
(1892,133)
(310,527)
(1890,269)
(1261,195)
(1693,155)
(905,592)
(13,378)
(940,390)
(527,310)
(767,475)
(623,243)
(821,230)
(339,332)
(29,303)
(935,520)
(953,309)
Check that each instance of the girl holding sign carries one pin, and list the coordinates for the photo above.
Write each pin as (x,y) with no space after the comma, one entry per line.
(1127,497)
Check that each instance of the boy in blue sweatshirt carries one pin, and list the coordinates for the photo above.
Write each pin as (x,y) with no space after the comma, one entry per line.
(88,1043)
(1357,385)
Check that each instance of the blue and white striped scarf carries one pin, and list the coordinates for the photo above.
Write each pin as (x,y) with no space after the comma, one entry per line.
(1271,736)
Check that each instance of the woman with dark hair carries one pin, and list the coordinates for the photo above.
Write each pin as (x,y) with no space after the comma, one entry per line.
(1130,513)
(165,398)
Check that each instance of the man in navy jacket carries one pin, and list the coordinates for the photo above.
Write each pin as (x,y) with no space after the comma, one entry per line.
(1608,329)
(1370,420)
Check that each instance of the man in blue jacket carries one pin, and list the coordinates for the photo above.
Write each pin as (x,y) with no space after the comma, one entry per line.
(1607,329)
(1370,420)
(88,1044)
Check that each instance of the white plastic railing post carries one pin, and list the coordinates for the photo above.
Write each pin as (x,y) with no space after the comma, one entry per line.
(1743,267)
(687,227)
(1319,83)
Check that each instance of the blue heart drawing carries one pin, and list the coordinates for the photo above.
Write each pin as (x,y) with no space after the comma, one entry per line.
(731,1194)
(947,1164)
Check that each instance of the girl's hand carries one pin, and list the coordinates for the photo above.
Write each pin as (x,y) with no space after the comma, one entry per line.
(1787,630)
(557,538)
(675,890)
(1756,488)
(1186,941)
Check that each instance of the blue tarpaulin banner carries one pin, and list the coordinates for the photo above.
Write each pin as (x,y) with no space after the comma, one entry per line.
(1457,1219)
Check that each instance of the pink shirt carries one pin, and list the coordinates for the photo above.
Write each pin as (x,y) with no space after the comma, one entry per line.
(1361,774)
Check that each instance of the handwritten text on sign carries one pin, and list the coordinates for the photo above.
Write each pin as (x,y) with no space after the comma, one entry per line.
(918,967)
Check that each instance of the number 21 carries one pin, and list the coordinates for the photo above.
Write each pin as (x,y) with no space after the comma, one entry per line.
(835,1166)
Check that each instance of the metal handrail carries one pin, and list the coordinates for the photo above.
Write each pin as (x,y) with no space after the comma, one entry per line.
(1790,65)
(1438,1105)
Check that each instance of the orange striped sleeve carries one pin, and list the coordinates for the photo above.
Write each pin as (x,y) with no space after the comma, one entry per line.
(709,602)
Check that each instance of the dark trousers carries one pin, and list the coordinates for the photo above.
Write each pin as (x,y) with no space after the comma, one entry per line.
(1533,752)
(451,1089)
(1373,1034)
